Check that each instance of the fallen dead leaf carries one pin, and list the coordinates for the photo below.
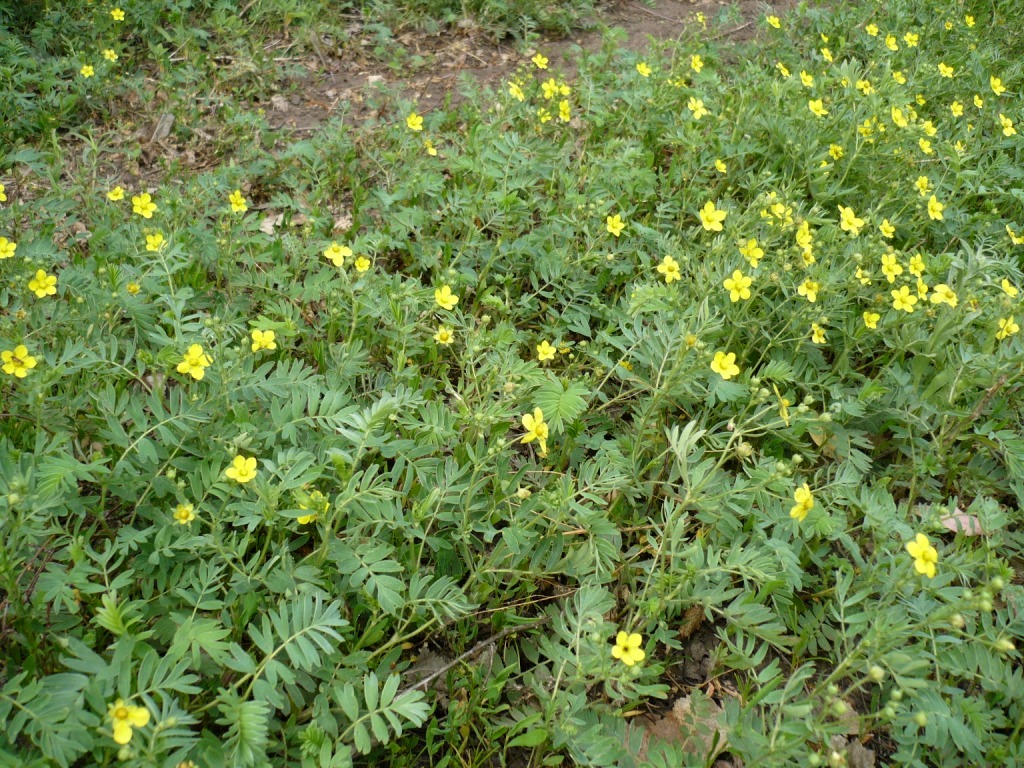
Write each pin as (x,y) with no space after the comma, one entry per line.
(695,723)
(270,223)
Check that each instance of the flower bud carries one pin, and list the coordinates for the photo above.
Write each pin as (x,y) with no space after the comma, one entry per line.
(876,673)
(921,719)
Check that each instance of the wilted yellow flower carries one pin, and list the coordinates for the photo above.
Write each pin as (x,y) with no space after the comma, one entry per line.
(720,165)
(807,79)
(516,91)
(924,185)
(891,44)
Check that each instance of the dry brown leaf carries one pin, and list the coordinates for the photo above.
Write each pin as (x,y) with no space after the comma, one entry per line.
(959,522)
(695,723)
(691,620)
(271,223)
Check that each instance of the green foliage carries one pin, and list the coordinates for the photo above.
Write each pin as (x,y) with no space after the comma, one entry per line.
(268,497)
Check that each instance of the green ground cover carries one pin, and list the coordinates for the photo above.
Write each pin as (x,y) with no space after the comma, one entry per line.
(518,394)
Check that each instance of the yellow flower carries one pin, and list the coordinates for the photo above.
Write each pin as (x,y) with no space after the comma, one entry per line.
(957,109)
(117,14)
(536,429)
(17,362)
(826,54)
(922,289)
(903,299)
(848,221)
(817,334)
(935,209)
(773,21)
(143,205)
(115,194)
(242,469)
(414,122)
(1009,288)
(887,229)
(184,514)
(724,365)
(997,85)
(891,267)
(643,69)
(817,107)
(316,505)
(864,277)
(978,101)
(898,118)
(926,146)
(337,254)
(627,648)
(809,288)
(194,362)
(696,63)
(133,288)
(124,715)
(871,320)
(969,20)
(154,242)
(1008,129)
(924,554)
(804,503)
(1007,327)
(891,44)
(943,294)
(563,111)
(550,88)
(516,91)
(362,264)
(429,146)
(945,70)
(835,151)
(1014,238)
(783,69)
(42,284)
(545,352)
(263,340)
(872,30)
(806,79)
(238,204)
(615,224)
(444,335)
(3,197)
(696,106)
(7,248)
(543,115)
(110,54)
(923,184)
(929,128)
(711,218)
(912,39)
(751,252)
(916,265)
(738,286)
(445,298)
(87,71)
(540,61)
(720,165)
(669,267)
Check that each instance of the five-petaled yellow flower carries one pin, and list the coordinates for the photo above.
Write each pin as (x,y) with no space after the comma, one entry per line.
(903,299)
(1009,288)
(337,254)
(242,469)
(143,205)
(263,340)
(724,365)
(809,288)
(43,285)
(696,63)
(3,197)
(7,248)
(916,265)
(751,252)
(1014,238)
(887,229)
(110,54)
(806,78)
(773,21)
(414,122)
(924,554)
(817,334)
(669,267)
(891,44)
(871,320)
(872,29)
(1007,123)
(117,193)
(997,85)
(615,224)
(696,106)
(17,362)
(536,429)
(445,298)
(194,362)
(644,69)
(935,209)
(238,203)
(1007,327)
(804,503)
(184,514)
(711,218)
(738,286)
(154,242)
(627,648)
(444,335)
(87,71)
(126,716)
(545,352)
(943,294)
(848,221)
(945,70)
(817,107)
(362,264)
(117,14)
(540,61)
